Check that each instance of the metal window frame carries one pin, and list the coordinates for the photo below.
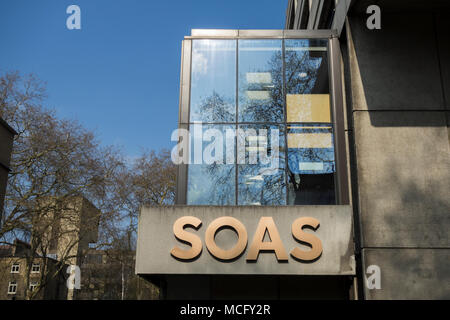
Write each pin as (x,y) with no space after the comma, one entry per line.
(260,34)
(336,97)
(290,15)
(337,103)
(316,12)
(302,15)
(340,14)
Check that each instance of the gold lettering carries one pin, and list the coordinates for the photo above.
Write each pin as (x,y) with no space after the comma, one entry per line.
(214,227)
(194,241)
(276,245)
(307,238)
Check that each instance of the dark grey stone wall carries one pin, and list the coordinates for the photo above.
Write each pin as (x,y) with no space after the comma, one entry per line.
(398,90)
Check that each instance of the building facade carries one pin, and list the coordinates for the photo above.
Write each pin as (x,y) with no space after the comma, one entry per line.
(23,276)
(6,143)
(397,117)
(313,162)
(61,233)
(109,275)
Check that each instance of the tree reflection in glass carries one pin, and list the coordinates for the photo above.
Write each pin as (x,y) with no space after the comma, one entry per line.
(213,81)
(211,183)
(261,100)
(311,164)
(263,182)
(306,66)
(260,81)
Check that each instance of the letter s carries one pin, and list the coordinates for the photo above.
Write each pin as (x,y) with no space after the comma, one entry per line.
(306,238)
(189,238)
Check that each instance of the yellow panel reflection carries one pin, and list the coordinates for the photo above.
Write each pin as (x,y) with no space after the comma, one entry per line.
(258,95)
(308,108)
(309,140)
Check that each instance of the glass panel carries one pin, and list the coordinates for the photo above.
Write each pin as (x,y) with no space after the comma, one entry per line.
(213,81)
(260,81)
(261,165)
(261,162)
(307,89)
(311,164)
(211,174)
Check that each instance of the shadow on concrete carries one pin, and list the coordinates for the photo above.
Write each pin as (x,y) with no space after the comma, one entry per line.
(404,67)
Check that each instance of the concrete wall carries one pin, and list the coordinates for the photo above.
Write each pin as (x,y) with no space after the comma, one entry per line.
(398,92)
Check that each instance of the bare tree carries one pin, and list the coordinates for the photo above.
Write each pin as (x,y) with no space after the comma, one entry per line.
(53,162)
(60,176)
(150,180)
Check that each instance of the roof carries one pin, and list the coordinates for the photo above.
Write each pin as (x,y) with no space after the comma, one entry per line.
(6,250)
(7,126)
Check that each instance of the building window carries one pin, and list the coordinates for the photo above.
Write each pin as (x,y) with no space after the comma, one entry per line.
(12,287)
(258,183)
(33,286)
(15,268)
(213,89)
(210,184)
(260,81)
(35,268)
(311,165)
(274,94)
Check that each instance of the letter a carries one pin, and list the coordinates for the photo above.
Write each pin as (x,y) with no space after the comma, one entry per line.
(274,245)
(374,281)
(374,21)
(74,20)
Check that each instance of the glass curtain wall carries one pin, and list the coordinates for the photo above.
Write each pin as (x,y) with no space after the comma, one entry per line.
(260,123)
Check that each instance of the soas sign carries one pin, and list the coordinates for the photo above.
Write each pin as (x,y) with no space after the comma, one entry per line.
(266,224)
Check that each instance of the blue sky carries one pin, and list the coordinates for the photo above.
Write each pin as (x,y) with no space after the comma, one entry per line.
(119,74)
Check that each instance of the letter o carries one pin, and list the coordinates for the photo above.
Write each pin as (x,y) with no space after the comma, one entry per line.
(214,227)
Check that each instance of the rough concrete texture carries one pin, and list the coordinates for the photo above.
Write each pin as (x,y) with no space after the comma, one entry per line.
(448,125)
(403,179)
(400,86)
(443,31)
(156,239)
(409,273)
(397,67)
